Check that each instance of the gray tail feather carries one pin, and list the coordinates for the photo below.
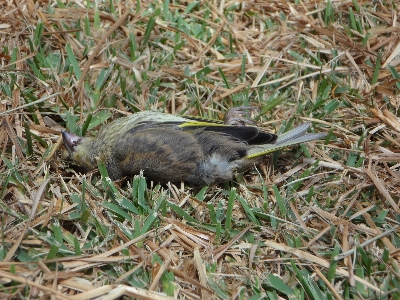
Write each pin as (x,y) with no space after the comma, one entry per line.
(294,133)
(295,136)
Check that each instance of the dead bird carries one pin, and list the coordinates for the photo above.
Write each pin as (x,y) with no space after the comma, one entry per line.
(175,148)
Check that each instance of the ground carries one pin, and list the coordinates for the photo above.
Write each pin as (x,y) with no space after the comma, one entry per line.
(317,221)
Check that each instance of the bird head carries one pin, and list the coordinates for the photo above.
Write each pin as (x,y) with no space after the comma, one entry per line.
(71,141)
(80,150)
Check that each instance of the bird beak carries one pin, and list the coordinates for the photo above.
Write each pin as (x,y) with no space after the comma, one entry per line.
(70,141)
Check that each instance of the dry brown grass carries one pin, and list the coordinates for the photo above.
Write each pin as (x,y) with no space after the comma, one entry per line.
(276,234)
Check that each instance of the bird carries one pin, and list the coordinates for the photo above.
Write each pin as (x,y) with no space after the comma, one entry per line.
(175,148)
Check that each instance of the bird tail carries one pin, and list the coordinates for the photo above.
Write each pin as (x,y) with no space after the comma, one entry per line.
(295,136)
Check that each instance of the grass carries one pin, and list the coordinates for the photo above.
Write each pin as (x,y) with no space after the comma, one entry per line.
(281,231)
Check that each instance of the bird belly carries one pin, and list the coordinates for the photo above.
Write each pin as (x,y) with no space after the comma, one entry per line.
(163,154)
(214,169)
(168,153)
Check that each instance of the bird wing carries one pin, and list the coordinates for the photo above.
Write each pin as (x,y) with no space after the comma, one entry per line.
(202,119)
(149,119)
(242,133)
(248,134)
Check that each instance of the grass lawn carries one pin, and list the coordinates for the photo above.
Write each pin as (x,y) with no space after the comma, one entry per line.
(315,221)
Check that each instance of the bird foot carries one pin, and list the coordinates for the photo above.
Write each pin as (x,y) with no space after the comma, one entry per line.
(239,116)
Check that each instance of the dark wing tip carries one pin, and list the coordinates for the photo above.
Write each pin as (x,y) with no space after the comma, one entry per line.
(263,138)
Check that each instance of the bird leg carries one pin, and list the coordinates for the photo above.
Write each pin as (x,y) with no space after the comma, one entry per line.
(239,116)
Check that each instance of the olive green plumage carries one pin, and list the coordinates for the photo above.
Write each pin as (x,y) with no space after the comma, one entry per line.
(178,148)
